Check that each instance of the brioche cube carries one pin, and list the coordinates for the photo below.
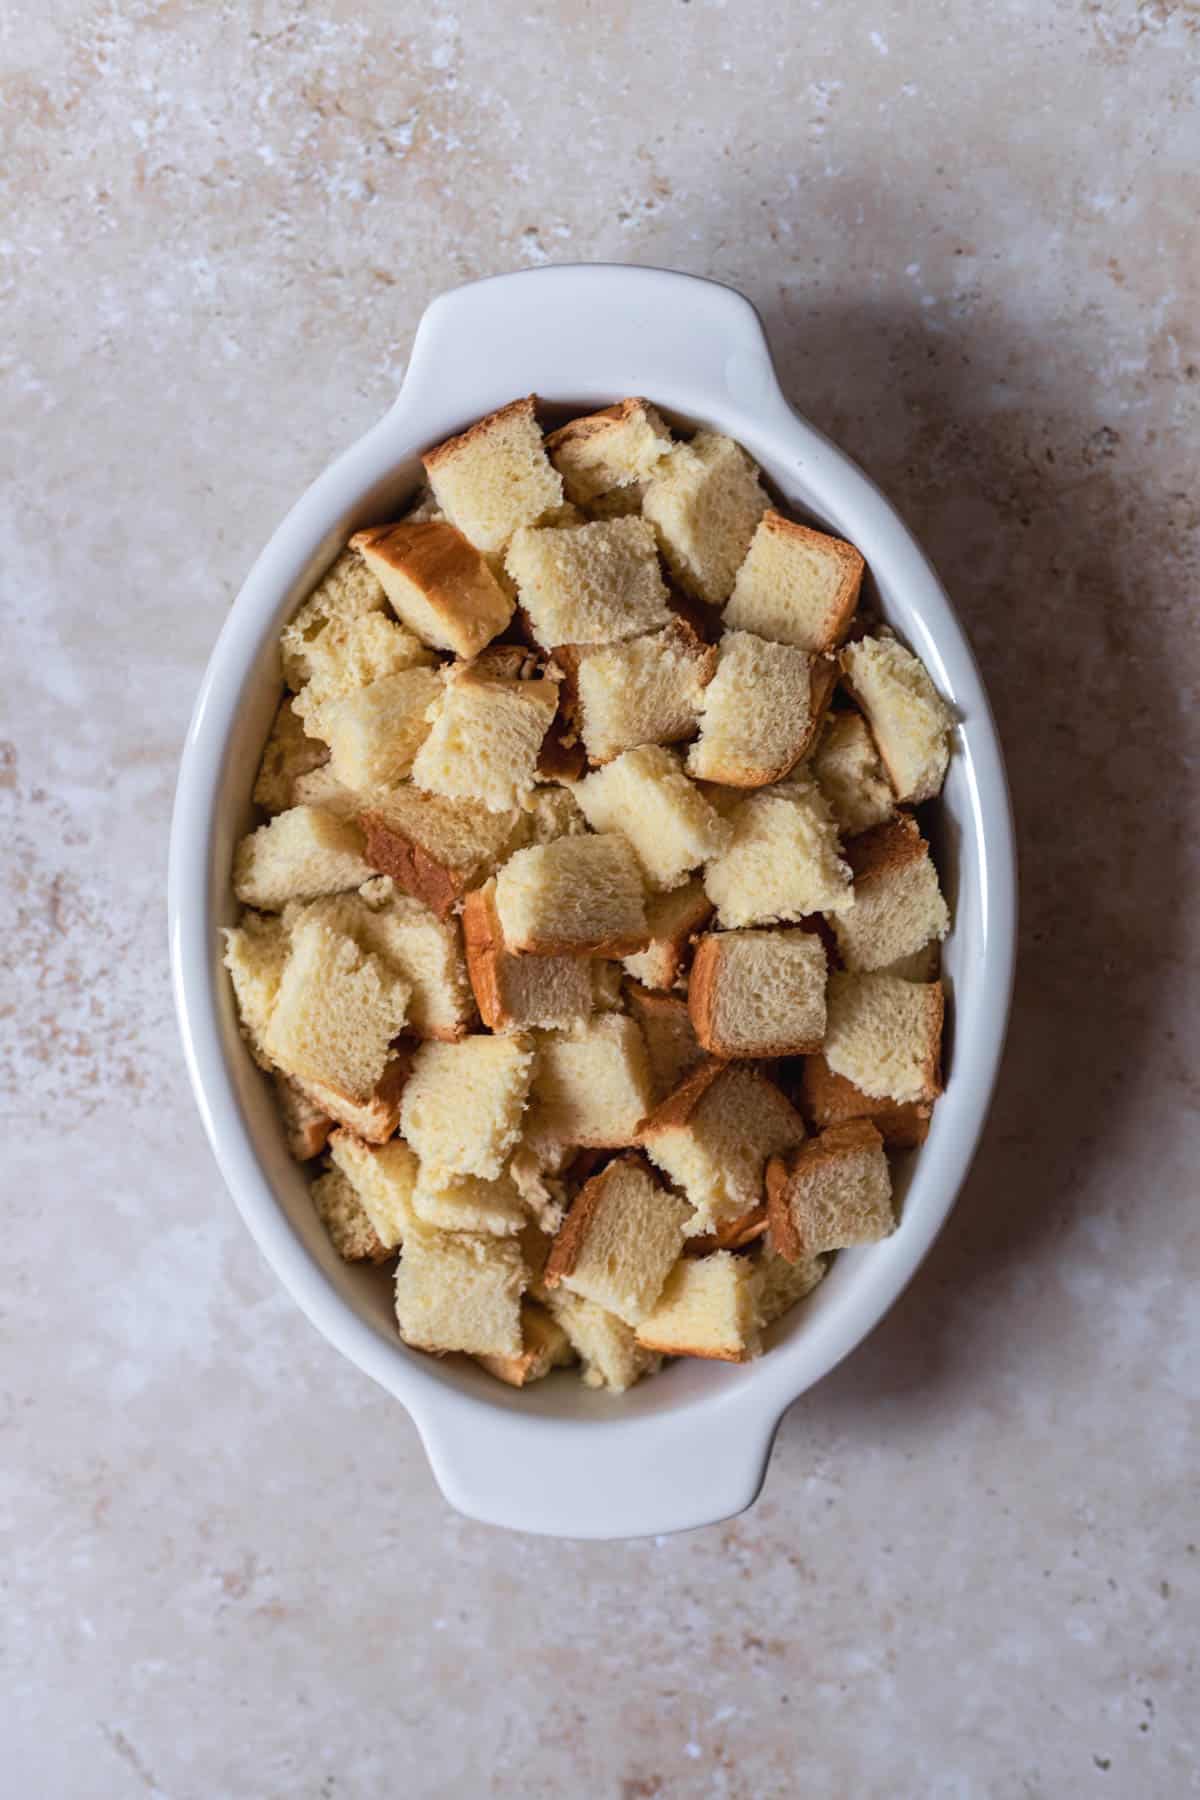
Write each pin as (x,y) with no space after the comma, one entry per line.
(898,905)
(437,849)
(516,992)
(759,993)
(671,1042)
(706,1308)
(614,448)
(646,796)
(298,855)
(484,739)
(415,943)
(673,919)
(374,1119)
(462,1106)
(384,1178)
(288,754)
(589,584)
(885,1035)
(833,1191)
(850,774)
(347,591)
(712,1138)
(760,712)
(306,1126)
(544,1346)
(469,1203)
(910,720)
(577,896)
(829,1099)
(336,1012)
(458,1292)
(440,586)
(374,732)
(592,1084)
(784,861)
(611,1356)
(496,476)
(782,1283)
(623,1234)
(648,690)
(255,953)
(554,812)
(353,653)
(796,585)
(705,502)
(341,1213)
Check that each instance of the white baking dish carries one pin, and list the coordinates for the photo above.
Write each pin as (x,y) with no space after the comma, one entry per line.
(690,1446)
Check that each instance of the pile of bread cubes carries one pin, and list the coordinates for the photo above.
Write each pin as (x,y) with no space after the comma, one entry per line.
(591,940)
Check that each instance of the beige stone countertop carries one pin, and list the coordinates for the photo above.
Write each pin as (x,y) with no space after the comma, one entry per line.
(972,232)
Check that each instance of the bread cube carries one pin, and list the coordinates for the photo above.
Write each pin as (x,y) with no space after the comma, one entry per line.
(347,591)
(374,1119)
(614,448)
(415,943)
(833,1191)
(611,1356)
(671,1042)
(577,896)
(353,653)
(712,1138)
(759,993)
(440,586)
(784,861)
(705,502)
(384,1178)
(648,690)
(591,1085)
(255,952)
(306,1126)
(469,1203)
(673,919)
(646,796)
(796,586)
(589,584)
(350,1231)
(885,1035)
(496,476)
(437,849)
(829,1099)
(299,855)
(374,732)
(620,1239)
(484,739)
(850,774)
(760,712)
(910,720)
(289,753)
(544,1346)
(336,1012)
(514,992)
(782,1283)
(457,1292)
(898,905)
(462,1106)
(706,1308)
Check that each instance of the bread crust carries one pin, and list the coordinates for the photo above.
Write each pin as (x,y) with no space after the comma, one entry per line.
(706,1350)
(573,1232)
(483,941)
(450,447)
(597,424)
(612,948)
(412,868)
(702,1006)
(883,849)
(844,603)
(374,1120)
(680,939)
(828,1099)
(678,1107)
(451,574)
(847,1139)
(306,1126)
(734,1234)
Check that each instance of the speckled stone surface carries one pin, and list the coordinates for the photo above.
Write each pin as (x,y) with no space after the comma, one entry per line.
(972,232)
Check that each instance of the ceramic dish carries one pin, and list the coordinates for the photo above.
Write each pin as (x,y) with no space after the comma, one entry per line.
(691,1446)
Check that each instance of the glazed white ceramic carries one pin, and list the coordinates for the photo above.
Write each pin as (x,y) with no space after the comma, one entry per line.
(690,1446)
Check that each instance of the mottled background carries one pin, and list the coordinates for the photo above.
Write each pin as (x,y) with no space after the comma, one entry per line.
(973,233)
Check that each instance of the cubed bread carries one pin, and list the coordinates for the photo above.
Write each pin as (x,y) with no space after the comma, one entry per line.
(298,855)
(614,448)
(706,1308)
(671,1042)
(577,896)
(544,1346)
(484,739)
(412,940)
(352,653)
(589,584)
(336,1012)
(759,993)
(611,1356)
(592,1084)
(373,1120)
(554,812)
(712,1138)
(885,1035)
(341,1213)
(623,1234)
(796,586)
(910,720)
(782,1283)
(673,919)
(784,861)
(347,591)
(515,993)
(704,502)
(898,905)
(646,796)
(828,1099)
(761,711)
(440,585)
(469,1203)
(384,1178)
(255,953)
(458,1292)
(851,775)
(374,732)
(496,476)
(288,754)
(306,1126)
(437,849)
(648,690)
(462,1106)
(830,1192)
